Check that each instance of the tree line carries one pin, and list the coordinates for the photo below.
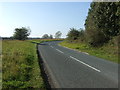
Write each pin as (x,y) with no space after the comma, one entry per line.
(101,24)
(57,35)
(23,33)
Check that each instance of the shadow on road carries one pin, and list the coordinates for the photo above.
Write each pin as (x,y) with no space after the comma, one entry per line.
(44,73)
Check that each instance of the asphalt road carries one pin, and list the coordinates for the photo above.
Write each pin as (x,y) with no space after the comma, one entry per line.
(72,69)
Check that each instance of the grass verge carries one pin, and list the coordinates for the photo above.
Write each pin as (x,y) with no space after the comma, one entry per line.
(108,51)
(20,68)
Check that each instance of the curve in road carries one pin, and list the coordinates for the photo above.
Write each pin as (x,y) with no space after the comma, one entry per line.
(72,69)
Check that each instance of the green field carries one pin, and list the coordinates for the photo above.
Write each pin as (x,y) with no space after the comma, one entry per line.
(20,67)
(108,51)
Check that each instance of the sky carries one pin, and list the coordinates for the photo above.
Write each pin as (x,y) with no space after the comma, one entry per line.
(42,17)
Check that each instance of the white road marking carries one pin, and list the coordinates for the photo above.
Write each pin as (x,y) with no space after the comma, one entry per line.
(59,51)
(85,64)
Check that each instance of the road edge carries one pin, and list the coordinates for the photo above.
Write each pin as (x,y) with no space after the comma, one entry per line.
(43,70)
(47,78)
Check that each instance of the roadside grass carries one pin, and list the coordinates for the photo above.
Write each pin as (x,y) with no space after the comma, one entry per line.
(20,68)
(108,51)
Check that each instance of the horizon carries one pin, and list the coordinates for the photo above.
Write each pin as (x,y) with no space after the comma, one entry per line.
(43,17)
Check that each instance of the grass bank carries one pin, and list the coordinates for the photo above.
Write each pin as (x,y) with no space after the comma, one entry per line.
(20,68)
(109,51)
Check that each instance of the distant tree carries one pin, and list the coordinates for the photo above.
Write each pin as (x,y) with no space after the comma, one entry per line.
(45,36)
(51,36)
(11,37)
(21,33)
(58,34)
(73,34)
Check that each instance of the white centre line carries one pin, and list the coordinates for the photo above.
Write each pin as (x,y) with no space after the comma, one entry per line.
(85,64)
(59,51)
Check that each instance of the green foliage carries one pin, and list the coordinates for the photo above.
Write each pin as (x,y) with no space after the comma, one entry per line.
(108,52)
(101,36)
(58,34)
(20,68)
(102,22)
(73,34)
(15,84)
(51,36)
(81,37)
(76,35)
(45,36)
(21,33)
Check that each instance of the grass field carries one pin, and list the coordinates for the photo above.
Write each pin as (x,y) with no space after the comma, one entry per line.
(20,67)
(108,51)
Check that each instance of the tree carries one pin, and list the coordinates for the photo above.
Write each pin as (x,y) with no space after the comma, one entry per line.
(51,36)
(81,35)
(21,33)
(73,34)
(102,22)
(45,36)
(118,16)
(58,34)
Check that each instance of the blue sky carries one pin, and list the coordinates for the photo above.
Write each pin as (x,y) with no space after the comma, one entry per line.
(42,17)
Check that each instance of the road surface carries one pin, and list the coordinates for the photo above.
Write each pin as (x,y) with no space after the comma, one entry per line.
(72,69)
